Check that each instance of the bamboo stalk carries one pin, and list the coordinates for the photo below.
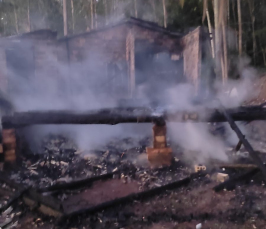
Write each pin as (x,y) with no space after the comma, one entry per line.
(105,11)
(16,18)
(92,12)
(65,17)
(225,53)
(73,18)
(135,7)
(95,14)
(29,22)
(210,31)
(164,14)
(239,27)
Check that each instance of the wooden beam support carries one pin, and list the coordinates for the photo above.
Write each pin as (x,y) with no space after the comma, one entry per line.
(129,115)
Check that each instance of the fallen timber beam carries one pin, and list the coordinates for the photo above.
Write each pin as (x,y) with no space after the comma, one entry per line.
(253,154)
(120,115)
(135,196)
(77,183)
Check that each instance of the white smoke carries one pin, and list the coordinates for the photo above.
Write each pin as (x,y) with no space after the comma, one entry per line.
(85,86)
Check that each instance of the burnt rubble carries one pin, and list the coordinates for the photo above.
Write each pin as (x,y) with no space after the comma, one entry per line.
(113,186)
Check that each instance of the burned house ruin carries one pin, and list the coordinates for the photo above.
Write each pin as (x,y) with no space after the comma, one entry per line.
(131,62)
(116,60)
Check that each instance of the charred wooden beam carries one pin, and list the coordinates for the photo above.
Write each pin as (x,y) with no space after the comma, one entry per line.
(238,146)
(253,154)
(135,196)
(108,116)
(77,183)
(121,115)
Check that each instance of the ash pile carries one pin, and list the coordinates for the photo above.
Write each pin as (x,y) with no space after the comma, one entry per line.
(59,160)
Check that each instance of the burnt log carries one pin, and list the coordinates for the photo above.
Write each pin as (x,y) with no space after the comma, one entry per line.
(106,116)
(122,115)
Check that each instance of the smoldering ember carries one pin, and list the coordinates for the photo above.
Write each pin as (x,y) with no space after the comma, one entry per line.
(132,114)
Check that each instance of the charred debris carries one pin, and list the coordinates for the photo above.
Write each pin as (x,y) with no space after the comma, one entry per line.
(68,186)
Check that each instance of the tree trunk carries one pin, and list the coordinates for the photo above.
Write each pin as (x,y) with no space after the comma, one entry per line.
(65,17)
(252,17)
(95,14)
(225,75)
(235,22)
(92,17)
(135,7)
(16,19)
(264,57)
(29,22)
(153,10)
(73,18)
(263,52)
(223,22)
(217,40)
(105,11)
(210,31)
(239,27)
(228,9)
(164,14)
(114,7)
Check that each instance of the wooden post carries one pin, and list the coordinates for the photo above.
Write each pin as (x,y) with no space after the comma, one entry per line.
(130,56)
(160,154)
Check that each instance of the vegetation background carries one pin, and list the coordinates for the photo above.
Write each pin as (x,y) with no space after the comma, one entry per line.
(245,18)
